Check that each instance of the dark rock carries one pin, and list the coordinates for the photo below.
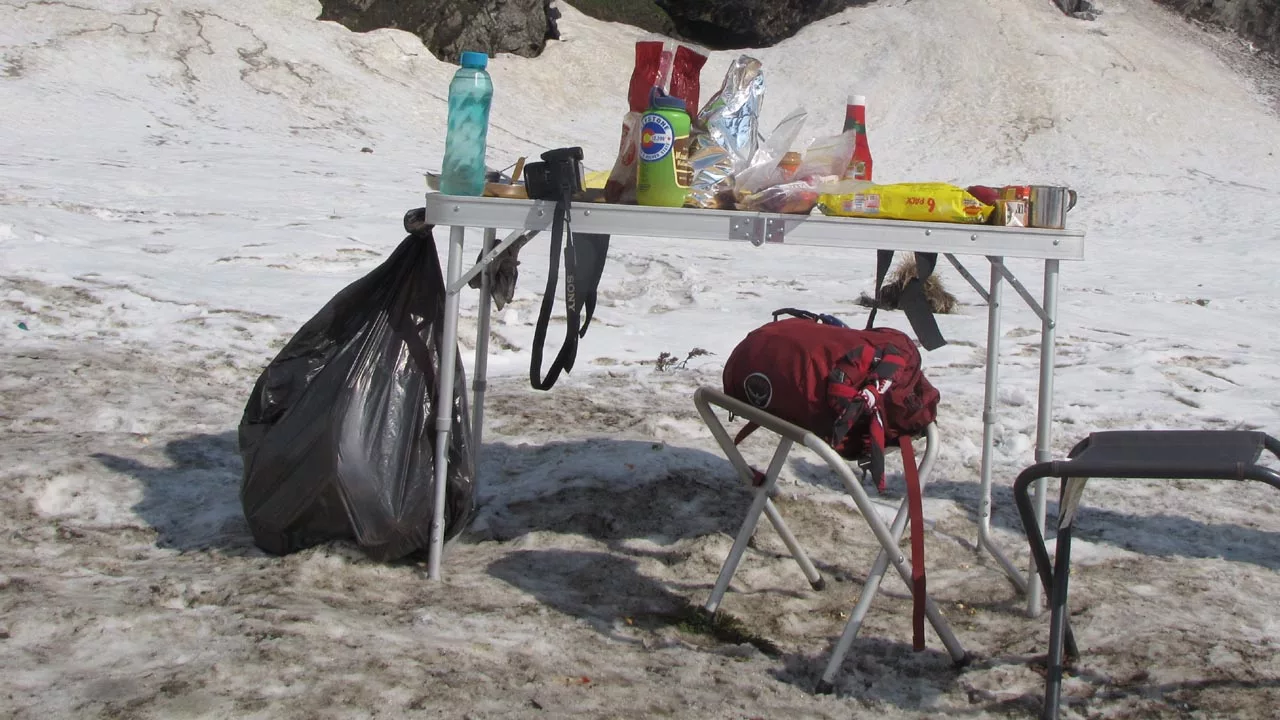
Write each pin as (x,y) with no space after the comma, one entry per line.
(717,24)
(1079,9)
(448,27)
(644,14)
(1257,21)
(553,15)
(736,24)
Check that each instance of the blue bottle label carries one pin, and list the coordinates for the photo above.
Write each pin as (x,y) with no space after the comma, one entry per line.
(656,138)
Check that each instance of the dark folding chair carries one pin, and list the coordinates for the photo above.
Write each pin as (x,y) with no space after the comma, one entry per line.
(1147,454)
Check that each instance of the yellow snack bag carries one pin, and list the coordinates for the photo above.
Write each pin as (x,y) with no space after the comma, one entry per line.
(929,202)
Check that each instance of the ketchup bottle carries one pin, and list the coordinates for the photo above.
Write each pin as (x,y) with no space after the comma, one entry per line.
(855,118)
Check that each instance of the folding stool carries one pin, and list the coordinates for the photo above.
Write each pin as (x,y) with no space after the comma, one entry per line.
(888,537)
(1135,454)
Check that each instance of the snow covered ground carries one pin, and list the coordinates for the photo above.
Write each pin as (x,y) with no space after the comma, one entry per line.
(182,184)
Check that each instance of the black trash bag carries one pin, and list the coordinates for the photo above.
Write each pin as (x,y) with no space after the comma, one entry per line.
(338,437)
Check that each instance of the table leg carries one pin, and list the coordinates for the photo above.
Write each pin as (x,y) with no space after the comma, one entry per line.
(444,398)
(1044,409)
(479,375)
(989,401)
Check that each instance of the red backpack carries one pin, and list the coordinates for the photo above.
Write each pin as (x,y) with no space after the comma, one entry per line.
(859,390)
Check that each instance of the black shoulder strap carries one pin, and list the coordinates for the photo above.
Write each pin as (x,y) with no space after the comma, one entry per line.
(561,227)
(916,306)
(912,300)
(884,258)
(592,249)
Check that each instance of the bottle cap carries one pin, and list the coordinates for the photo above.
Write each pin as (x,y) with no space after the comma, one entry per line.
(857,99)
(661,100)
(474,59)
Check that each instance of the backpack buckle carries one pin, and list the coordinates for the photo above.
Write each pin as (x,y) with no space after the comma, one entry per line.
(864,464)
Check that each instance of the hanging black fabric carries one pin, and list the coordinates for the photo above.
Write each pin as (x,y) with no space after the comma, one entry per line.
(584,258)
(912,300)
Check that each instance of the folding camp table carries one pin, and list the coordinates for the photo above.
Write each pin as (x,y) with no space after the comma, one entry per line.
(762,229)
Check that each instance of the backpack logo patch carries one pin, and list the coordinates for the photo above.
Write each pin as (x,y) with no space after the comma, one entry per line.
(758,389)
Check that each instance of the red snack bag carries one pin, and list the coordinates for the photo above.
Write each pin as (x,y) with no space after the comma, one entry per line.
(644,76)
(685,77)
(985,194)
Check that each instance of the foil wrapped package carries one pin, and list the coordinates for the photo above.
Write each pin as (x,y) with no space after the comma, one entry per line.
(712,183)
(725,134)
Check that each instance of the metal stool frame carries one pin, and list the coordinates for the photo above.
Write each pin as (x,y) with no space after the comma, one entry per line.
(1134,454)
(704,398)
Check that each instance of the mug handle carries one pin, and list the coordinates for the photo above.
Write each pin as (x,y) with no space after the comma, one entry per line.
(1071,194)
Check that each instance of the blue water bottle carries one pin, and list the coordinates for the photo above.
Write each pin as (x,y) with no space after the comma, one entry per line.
(470,95)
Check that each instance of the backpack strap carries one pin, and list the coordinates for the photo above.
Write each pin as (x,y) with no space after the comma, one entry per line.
(915,510)
(853,403)
(807,315)
(795,312)
(757,477)
(846,398)
(879,380)
(911,300)
(867,401)
(875,434)
(884,258)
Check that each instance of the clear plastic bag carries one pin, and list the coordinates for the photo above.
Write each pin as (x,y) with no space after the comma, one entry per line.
(826,157)
(621,185)
(797,197)
(763,171)
(772,187)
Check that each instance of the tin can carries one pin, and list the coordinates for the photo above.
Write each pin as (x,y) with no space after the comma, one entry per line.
(1049,206)
(1012,213)
(1016,192)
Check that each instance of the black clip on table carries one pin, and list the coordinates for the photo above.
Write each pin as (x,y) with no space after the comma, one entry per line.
(1147,454)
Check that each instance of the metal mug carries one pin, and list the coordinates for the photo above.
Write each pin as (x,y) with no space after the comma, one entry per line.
(1049,206)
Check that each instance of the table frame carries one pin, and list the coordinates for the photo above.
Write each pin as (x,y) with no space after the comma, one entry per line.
(949,239)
